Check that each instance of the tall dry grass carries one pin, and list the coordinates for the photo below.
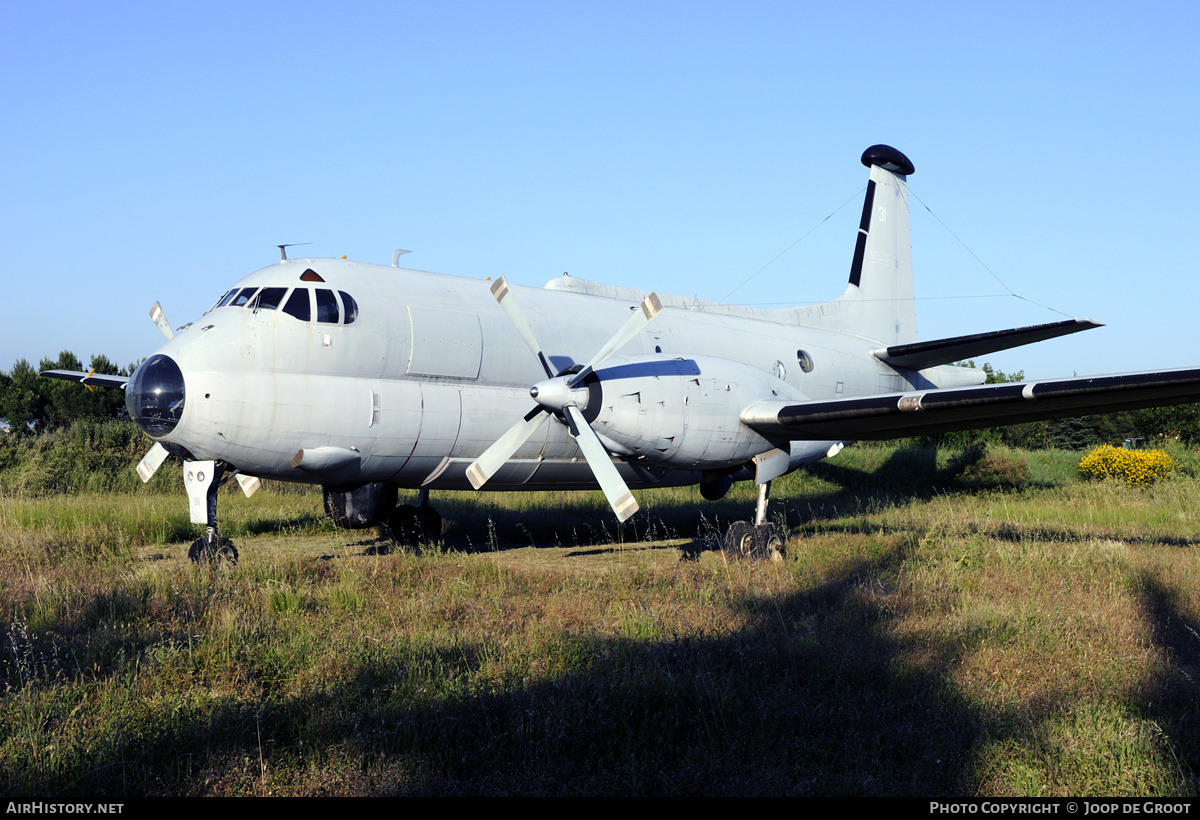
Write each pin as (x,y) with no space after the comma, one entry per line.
(921,638)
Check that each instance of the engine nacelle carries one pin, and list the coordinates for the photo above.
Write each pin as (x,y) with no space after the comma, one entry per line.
(683,413)
(361,506)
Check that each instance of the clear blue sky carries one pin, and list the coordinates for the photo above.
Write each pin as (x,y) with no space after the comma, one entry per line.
(161,150)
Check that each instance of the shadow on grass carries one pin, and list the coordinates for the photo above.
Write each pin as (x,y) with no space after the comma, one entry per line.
(1173,702)
(584,519)
(818,693)
(814,696)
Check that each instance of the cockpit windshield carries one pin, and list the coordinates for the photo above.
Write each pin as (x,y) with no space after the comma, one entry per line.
(330,307)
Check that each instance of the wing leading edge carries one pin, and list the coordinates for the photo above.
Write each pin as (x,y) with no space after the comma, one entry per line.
(923,412)
(99,379)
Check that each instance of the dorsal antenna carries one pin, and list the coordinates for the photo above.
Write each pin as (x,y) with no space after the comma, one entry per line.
(283,249)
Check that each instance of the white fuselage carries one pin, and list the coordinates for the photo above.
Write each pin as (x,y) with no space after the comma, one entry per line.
(430,373)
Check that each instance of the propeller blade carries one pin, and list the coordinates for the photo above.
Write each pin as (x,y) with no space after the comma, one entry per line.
(494,457)
(249,484)
(614,487)
(650,307)
(150,462)
(160,319)
(512,309)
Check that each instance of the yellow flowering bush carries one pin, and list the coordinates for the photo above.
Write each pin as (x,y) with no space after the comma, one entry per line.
(1140,468)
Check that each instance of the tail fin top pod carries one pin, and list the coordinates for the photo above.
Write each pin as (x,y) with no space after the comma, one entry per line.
(878,302)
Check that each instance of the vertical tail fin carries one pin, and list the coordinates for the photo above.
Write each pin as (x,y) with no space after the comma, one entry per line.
(881,273)
(878,303)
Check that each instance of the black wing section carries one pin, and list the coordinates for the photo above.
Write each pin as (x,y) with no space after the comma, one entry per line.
(923,412)
(919,355)
(99,379)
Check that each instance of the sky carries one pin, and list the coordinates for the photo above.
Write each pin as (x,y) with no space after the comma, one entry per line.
(160,151)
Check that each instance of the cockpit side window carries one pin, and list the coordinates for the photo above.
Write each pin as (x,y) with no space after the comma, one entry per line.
(327,306)
(243,297)
(298,305)
(223,301)
(269,298)
(350,305)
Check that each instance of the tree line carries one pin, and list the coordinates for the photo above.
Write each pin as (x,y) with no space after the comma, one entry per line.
(31,404)
(1154,424)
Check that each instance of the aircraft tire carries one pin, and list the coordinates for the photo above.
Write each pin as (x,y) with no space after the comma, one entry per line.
(405,526)
(224,552)
(768,546)
(430,521)
(739,541)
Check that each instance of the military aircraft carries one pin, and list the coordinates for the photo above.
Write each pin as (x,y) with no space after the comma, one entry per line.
(367,379)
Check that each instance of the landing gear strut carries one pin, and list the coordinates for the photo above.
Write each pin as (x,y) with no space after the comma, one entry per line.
(203,479)
(758,540)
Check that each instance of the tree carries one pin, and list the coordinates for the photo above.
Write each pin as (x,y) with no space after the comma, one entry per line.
(1180,422)
(28,401)
(22,402)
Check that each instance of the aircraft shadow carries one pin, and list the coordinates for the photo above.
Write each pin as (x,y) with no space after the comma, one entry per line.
(810,699)
(1179,637)
(818,694)
(582,521)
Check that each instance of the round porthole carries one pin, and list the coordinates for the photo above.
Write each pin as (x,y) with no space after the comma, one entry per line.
(806,362)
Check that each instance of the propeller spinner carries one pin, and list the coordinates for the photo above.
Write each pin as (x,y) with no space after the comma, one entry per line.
(563,396)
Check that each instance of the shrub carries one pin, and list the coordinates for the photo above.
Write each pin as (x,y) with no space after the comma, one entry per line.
(1140,468)
(978,467)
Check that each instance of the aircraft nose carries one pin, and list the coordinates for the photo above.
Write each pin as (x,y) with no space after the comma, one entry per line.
(154,395)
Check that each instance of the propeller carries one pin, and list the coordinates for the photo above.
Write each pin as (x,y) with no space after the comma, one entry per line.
(160,319)
(150,462)
(563,396)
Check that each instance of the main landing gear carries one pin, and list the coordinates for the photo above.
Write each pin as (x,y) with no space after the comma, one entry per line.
(759,540)
(203,479)
(417,526)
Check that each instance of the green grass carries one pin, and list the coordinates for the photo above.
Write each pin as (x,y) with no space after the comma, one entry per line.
(921,638)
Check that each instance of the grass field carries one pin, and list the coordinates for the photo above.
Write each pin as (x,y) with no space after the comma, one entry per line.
(927,635)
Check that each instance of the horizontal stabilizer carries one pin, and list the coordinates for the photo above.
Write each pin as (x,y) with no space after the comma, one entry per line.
(99,379)
(919,413)
(920,355)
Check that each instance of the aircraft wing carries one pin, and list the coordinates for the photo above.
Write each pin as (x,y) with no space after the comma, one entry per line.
(923,412)
(919,355)
(86,378)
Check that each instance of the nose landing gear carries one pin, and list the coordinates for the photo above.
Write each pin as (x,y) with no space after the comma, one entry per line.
(203,479)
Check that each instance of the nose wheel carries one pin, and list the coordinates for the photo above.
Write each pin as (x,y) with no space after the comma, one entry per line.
(203,479)
(213,549)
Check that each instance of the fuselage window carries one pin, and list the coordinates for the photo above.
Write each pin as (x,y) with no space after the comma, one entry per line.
(269,298)
(243,297)
(350,305)
(327,306)
(804,360)
(298,306)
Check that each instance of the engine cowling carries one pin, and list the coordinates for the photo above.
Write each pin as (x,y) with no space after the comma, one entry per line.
(680,412)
